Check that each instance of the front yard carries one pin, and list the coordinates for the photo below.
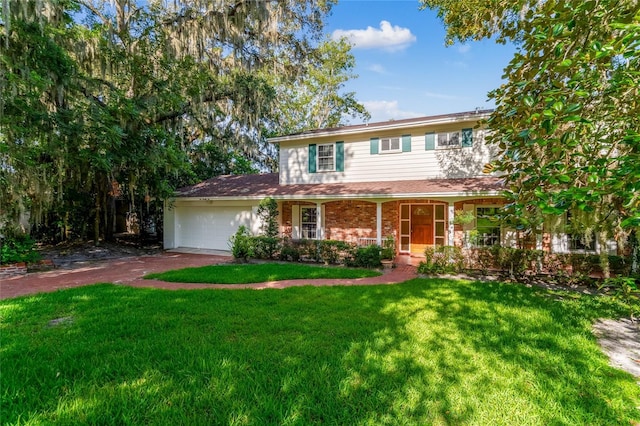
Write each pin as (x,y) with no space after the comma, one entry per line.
(428,351)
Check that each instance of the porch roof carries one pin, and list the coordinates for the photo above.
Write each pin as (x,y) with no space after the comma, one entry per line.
(267,185)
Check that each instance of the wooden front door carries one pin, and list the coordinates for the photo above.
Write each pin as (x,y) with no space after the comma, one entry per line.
(421,227)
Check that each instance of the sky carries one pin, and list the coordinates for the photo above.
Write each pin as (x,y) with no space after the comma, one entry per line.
(404,68)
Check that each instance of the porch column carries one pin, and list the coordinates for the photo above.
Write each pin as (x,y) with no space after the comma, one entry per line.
(379,223)
(319,224)
(451,216)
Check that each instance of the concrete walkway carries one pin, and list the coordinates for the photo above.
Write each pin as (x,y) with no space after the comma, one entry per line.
(129,271)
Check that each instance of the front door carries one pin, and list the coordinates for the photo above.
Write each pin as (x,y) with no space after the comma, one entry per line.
(421,227)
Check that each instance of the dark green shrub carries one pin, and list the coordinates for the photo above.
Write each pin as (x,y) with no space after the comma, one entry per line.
(242,244)
(289,251)
(266,247)
(17,247)
(442,260)
(365,257)
(333,252)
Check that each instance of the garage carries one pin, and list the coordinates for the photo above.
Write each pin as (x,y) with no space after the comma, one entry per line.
(205,227)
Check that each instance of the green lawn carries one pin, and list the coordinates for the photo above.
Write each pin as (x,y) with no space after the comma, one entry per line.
(419,353)
(258,273)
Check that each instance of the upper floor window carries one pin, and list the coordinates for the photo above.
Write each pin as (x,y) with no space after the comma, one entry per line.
(326,158)
(487,226)
(390,145)
(448,139)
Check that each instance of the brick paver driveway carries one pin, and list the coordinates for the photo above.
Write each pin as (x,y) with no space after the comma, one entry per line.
(129,271)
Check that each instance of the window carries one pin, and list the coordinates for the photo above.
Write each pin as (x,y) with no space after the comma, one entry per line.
(308,222)
(487,226)
(326,159)
(390,145)
(578,241)
(448,139)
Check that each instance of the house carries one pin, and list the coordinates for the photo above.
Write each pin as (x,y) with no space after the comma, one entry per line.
(361,183)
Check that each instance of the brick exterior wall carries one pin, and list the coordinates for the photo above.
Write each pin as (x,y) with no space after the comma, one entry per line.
(349,220)
(7,271)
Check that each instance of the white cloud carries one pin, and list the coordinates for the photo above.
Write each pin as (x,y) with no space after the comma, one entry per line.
(377,68)
(388,110)
(464,48)
(388,37)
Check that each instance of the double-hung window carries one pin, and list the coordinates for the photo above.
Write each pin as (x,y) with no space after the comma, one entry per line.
(390,145)
(487,226)
(308,222)
(326,158)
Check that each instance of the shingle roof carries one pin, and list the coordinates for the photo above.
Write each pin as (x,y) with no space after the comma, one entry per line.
(267,185)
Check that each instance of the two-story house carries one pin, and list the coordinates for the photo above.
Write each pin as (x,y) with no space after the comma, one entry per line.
(361,183)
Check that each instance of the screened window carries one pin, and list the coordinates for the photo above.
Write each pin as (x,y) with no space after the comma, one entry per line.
(308,222)
(448,139)
(487,226)
(326,158)
(390,145)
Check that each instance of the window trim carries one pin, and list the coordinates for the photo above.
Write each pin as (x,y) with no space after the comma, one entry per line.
(448,146)
(314,223)
(390,151)
(499,225)
(333,152)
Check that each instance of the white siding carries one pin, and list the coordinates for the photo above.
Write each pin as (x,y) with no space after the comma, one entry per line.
(362,166)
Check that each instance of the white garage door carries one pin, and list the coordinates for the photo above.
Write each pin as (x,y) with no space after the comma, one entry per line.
(209,227)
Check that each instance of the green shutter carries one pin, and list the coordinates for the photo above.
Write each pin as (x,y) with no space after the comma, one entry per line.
(430,141)
(406,143)
(312,158)
(374,145)
(467,137)
(340,156)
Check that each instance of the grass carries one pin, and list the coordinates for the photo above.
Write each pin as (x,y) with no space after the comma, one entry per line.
(423,352)
(258,273)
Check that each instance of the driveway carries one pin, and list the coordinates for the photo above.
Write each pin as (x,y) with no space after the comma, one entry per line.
(130,270)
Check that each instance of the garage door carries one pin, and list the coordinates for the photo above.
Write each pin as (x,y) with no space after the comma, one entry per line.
(209,227)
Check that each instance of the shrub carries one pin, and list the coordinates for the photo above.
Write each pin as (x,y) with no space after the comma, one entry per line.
(333,252)
(265,247)
(17,247)
(365,257)
(289,251)
(242,244)
(388,248)
(442,260)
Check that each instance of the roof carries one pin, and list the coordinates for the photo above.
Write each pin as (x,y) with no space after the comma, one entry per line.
(267,185)
(475,115)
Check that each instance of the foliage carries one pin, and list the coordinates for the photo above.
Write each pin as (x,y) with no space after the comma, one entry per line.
(365,257)
(268,214)
(442,260)
(265,247)
(388,251)
(16,247)
(258,273)
(242,244)
(428,351)
(567,122)
(626,290)
(107,102)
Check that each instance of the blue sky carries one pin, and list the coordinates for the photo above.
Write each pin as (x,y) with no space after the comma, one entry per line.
(404,68)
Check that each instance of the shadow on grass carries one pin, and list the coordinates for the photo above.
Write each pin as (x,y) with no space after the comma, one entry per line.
(423,352)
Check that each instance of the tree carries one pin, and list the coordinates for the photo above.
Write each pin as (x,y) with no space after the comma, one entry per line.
(112,99)
(567,121)
(314,99)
